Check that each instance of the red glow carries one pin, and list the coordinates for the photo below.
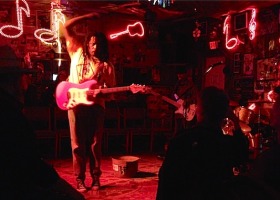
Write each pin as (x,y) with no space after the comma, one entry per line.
(135,29)
(213,45)
(253,25)
(230,42)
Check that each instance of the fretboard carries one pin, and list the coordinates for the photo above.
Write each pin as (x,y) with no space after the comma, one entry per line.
(110,90)
(174,103)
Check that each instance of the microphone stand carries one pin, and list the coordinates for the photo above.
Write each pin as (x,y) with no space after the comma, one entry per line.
(212,66)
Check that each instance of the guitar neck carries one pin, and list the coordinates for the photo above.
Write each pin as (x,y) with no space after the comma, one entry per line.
(168,100)
(174,103)
(111,90)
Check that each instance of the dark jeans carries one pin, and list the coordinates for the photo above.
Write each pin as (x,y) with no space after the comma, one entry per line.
(86,130)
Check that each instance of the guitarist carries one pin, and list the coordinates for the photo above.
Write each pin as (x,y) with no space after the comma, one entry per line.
(185,90)
(89,61)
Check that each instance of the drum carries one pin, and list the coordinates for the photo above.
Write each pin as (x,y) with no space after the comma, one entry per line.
(245,115)
(244,127)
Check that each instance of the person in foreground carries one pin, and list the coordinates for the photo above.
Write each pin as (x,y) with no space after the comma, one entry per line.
(198,164)
(89,61)
(24,174)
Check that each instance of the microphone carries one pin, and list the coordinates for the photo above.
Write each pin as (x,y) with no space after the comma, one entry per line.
(213,65)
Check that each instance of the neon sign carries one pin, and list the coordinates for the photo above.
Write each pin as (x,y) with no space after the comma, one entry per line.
(230,42)
(252,25)
(135,29)
(48,36)
(235,41)
(19,27)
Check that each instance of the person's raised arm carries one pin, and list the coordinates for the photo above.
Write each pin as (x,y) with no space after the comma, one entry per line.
(68,31)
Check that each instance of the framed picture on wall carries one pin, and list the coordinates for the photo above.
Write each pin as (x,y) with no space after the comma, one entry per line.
(240,21)
(248,64)
(237,63)
(266,69)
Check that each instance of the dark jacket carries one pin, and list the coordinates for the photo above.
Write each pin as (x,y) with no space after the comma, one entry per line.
(198,163)
(21,165)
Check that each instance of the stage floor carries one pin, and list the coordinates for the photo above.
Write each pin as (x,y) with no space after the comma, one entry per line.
(142,186)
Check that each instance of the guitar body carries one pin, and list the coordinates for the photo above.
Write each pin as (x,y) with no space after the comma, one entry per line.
(188,113)
(67,92)
(68,95)
(180,108)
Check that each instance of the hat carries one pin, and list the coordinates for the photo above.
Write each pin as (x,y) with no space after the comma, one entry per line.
(10,63)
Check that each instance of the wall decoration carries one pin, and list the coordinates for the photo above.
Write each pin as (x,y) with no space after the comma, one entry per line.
(215,76)
(271,45)
(237,63)
(267,22)
(136,29)
(243,88)
(14,31)
(230,42)
(248,64)
(240,21)
(267,69)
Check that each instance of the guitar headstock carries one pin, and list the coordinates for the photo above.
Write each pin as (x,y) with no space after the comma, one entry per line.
(135,88)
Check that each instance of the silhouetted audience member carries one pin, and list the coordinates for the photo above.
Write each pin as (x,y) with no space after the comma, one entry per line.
(198,164)
(265,170)
(24,174)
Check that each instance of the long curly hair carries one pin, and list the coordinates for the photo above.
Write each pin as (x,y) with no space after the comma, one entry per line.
(102,52)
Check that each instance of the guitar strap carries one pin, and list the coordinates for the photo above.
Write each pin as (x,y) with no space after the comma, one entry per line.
(87,72)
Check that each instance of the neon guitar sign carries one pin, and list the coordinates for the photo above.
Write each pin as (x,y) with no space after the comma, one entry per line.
(135,29)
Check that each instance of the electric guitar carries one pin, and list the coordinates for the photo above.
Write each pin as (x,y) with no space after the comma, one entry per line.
(69,95)
(188,113)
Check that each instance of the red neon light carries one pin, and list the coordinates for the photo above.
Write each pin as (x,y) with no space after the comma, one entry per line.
(252,25)
(234,41)
(19,27)
(135,29)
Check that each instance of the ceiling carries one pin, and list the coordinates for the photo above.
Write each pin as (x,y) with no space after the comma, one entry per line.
(180,9)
